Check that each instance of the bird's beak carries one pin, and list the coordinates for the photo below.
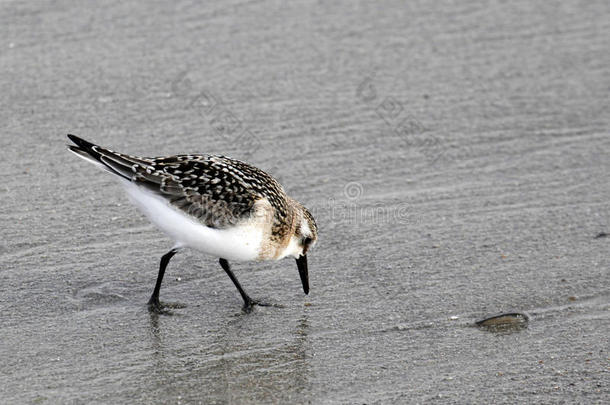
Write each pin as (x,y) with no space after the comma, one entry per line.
(302,265)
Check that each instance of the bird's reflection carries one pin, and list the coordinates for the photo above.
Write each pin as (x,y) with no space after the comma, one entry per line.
(158,350)
(249,358)
(274,368)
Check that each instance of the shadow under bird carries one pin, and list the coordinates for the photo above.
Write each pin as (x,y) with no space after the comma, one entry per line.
(214,204)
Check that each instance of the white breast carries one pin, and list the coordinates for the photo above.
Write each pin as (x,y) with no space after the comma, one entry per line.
(241,243)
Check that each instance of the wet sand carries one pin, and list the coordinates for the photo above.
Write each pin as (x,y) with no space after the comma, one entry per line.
(455,158)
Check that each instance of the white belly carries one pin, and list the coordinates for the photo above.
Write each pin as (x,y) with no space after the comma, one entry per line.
(241,243)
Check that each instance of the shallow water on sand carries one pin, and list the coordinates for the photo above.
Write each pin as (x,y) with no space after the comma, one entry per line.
(455,159)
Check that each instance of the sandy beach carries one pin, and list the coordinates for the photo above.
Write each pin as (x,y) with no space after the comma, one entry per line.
(455,156)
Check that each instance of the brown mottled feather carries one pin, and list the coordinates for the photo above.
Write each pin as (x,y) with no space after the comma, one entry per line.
(216,190)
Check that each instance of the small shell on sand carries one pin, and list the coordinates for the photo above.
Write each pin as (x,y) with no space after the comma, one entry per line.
(505,321)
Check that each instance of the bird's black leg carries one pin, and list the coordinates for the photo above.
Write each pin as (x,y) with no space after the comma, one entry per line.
(225,266)
(153,303)
(248,302)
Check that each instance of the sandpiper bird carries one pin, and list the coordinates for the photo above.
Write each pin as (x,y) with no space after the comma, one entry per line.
(214,204)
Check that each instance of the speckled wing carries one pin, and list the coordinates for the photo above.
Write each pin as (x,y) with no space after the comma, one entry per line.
(216,190)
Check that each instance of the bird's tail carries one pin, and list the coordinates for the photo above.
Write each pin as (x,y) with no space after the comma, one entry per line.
(113,162)
(136,169)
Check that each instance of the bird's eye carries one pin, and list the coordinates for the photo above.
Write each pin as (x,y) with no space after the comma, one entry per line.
(306,243)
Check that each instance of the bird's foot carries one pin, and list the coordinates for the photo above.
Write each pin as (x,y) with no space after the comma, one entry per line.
(158,307)
(250,303)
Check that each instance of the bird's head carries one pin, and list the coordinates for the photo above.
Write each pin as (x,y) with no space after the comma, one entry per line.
(304,238)
(306,232)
